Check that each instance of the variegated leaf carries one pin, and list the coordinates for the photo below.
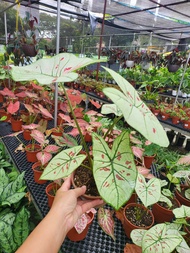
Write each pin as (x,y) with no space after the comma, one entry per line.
(59,68)
(135,111)
(51,148)
(106,221)
(148,192)
(63,164)
(157,240)
(137,236)
(13,107)
(114,170)
(38,136)
(44,157)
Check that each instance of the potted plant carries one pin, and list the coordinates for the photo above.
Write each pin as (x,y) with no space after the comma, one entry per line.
(135,215)
(119,159)
(174,60)
(164,237)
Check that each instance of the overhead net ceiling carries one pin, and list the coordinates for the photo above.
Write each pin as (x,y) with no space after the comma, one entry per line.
(164,18)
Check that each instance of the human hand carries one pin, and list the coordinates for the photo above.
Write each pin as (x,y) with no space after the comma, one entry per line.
(68,204)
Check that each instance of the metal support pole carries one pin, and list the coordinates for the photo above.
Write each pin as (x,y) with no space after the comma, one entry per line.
(5,21)
(57,52)
(100,43)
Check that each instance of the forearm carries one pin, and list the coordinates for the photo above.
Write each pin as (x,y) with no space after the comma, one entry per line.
(47,236)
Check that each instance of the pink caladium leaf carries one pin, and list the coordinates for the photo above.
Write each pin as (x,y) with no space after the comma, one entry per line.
(21,94)
(29,108)
(96,104)
(31,126)
(114,169)
(184,160)
(67,118)
(37,87)
(13,107)
(7,92)
(38,136)
(91,113)
(51,149)
(134,139)
(31,94)
(44,111)
(138,152)
(44,157)
(81,223)
(106,221)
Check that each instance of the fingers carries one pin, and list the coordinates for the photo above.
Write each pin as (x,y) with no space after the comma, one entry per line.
(90,204)
(80,191)
(66,185)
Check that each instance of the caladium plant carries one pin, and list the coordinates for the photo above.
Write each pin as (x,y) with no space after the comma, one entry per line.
(113,168)
(163,238)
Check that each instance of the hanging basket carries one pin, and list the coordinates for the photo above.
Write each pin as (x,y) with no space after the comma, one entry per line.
(29,50)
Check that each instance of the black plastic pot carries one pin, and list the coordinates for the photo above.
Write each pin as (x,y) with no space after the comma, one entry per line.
(171,134)
(187,146)
(180,140)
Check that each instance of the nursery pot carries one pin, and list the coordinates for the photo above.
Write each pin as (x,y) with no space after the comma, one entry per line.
(173,67)
(148,160)
(26,135)
(38,173)
(162,214)
(180,140)
(181,197)
(4,113)
(50,192)
(130,64)
(170,134)
(73,234)
(29,50)
(187,146)
(187,231)
(128,225)
(16,125)
(31,151)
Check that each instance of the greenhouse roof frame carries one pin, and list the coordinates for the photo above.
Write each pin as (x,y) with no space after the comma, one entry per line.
(169,19)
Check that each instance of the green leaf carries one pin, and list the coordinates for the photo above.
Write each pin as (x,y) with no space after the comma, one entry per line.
(7,243)
(4,180)
(114,170)
(135,112)
(156,239)
(187,194)
(148,192)
(14,191)
(63,164)
(21,226)
(59,68)
(182,212)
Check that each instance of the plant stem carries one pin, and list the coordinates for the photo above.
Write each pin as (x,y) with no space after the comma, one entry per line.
(78,127)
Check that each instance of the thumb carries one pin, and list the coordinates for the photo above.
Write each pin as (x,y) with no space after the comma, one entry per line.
(80,191)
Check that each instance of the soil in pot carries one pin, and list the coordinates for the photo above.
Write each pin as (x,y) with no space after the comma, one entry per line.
(84,176)
(31,151)
(38,170)
(136,216)
(51,190)
(163,213)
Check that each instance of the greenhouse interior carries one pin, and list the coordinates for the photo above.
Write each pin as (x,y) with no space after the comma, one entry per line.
(95,126)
